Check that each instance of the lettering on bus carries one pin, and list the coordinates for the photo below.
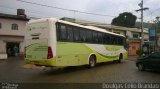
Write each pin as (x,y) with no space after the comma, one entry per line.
(36,28)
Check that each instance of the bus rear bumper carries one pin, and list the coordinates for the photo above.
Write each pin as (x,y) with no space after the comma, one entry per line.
(33,66)
(41,62)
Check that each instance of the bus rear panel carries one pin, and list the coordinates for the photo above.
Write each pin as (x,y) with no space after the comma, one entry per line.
(37,48)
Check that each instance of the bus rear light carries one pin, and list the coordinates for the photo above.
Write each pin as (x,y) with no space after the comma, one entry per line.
(50,54)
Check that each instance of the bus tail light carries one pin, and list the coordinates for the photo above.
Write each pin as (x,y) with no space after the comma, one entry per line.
(50,54)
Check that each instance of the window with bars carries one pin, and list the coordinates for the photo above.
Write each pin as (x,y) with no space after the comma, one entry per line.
(14,27)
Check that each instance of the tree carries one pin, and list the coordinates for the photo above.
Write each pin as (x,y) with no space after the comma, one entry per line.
(125,19)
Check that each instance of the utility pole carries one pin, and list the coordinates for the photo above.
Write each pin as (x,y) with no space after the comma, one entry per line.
(156,36)
(141,9)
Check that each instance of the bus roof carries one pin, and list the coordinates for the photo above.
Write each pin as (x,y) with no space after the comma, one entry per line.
(74,24)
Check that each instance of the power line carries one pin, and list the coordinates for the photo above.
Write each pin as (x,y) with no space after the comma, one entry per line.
(28,11)
(31,14)
(5,12)
(152,14)
(12,8)
(6,7)
(64,8)
(155,10)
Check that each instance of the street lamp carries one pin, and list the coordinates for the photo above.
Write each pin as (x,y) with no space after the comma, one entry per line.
(125,20)
(125,17)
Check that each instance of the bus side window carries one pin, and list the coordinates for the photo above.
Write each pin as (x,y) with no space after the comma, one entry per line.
(95,37)
(113,40)
(76,34)
(100,38)
(120,41)
(63,32)
(58,31)
(88,36)
(83,35)
(124,42)
(116,40)
(70,33)
(107,39)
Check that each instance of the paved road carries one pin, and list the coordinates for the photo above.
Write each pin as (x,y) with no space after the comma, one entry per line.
(11,70)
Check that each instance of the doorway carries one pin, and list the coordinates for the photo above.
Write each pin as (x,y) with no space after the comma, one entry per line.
(133,46)
(12,49)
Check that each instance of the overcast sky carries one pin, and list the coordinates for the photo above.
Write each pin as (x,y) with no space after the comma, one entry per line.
(111,8)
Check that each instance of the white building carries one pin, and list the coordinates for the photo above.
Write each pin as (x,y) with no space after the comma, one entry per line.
(12,34)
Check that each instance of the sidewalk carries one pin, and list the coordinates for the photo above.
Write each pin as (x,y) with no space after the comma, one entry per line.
(132,58)
(3,56)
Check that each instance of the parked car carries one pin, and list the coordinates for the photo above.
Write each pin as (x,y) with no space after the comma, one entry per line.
(149,62)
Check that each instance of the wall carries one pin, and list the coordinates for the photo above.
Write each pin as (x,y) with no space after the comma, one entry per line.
(133,46)
(2,46)
(9,35)
(6,27)
(5,39)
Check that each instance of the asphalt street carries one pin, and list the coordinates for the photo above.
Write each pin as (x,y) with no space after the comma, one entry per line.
(12,70)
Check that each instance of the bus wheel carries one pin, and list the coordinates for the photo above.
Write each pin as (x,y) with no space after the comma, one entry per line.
(120,58)
(92,61)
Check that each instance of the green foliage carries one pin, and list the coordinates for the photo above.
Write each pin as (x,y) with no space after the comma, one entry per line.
(139,52)
(125,19)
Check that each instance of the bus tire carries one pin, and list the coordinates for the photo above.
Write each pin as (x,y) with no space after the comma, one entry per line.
(120,58)
(92,61)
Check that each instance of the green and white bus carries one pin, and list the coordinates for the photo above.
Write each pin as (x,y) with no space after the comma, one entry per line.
(56,43)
